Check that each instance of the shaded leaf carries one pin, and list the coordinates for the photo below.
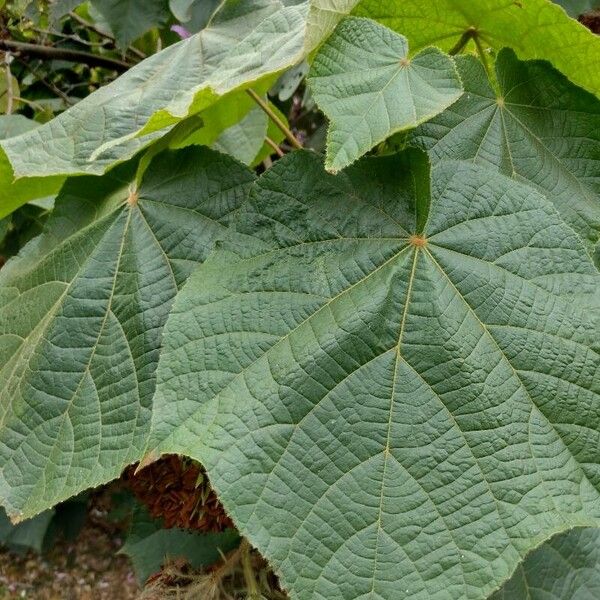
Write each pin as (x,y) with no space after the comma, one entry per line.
(365,83)
(81,315)
(149,545)
(390,415)
(565,568)
(533,28)
(541,129)
(130,19)
(194,13)
(578,7)
(25,536)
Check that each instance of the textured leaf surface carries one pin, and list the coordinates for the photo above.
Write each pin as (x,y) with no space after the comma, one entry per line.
(541,129)
(534,28)
(149,545)
(565,568)
(383,418)
(364,82)
(130,19)
(247,43)
(81,317)
(13,194)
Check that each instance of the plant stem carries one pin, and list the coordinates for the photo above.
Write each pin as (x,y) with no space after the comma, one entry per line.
(251,585)
(468,35)
(275,147)
(10,93)
(286,131)
(93,60)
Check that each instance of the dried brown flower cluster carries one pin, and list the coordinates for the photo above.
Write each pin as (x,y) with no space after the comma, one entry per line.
(177,490)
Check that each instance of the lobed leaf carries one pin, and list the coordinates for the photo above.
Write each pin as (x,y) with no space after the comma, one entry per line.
(81,315)
(389,411)
(365,83)
(535,29)
(539,128)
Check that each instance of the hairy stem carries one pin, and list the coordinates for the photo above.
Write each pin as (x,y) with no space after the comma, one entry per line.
(251,585)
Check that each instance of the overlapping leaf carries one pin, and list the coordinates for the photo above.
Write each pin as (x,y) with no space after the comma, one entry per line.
(565,568)
(81,317)
(247,43)
(390,412)
(534,28)
(541,129)
(365,83)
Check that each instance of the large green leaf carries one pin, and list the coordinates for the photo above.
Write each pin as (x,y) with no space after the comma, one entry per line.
(365,83)
(565,568)
(81,316)
(385,414)
(149,545)
(130,19)
(534,28)
(541,129)
(247,44)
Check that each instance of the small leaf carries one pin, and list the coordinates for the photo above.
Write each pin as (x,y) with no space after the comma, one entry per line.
(533,28)
(149,545)
(388,413)
(81,315)
(365,83)
(542,130)
(565,568)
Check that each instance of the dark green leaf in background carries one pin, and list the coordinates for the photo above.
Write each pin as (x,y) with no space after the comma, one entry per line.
(130,19)
(149,545)
(565,568)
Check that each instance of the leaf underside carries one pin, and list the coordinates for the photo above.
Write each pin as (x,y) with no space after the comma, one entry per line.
(81,317)
(541,129)
(246,44)
(386,417)
(364,82)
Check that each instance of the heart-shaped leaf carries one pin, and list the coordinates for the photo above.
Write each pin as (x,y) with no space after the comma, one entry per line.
(81,317)
(365,83)
(387,410)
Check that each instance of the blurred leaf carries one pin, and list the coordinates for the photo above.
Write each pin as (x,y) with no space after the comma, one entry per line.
(8,88)
(149,545)
(244,139)
(578,7)
(28,535)
(130,19)
(194,13)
